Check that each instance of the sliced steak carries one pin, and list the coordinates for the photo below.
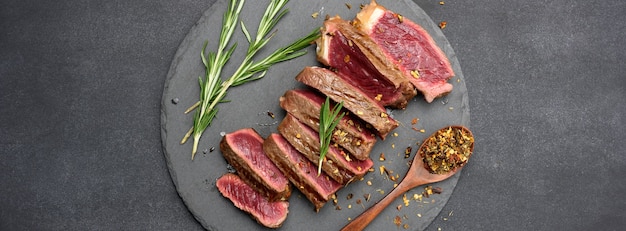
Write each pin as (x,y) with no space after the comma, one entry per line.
(410,47)
(244,197)
(338,164)
(356,58)
(350,133)
(243,149)
(300,171)
(353,98)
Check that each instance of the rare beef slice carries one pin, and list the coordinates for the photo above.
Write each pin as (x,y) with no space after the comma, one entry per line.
(300,171)
(410,47)
(243,149)
(265,212)
(356,58)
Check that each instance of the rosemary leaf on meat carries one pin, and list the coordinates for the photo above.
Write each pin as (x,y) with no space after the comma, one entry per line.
(328,121)
(213,89)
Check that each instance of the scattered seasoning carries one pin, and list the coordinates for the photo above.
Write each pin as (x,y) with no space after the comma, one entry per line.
(441,3)
(395,134)
(358,201)
(400,18)
(378,97)
(422,130)
(382,158)
(399,207)
(414,121)
(175,101)
(415,74)
(405,226)
(367,196)
(212,149)
(447,149)
(205,151)
(346,59)
(271,114)
(405,200)
(369,183)
(397,220)
(451,108)
(349,196)
(407,152)
(443,24)
(314,15)
(349,6)
(350,206)
(337,207)
(419,215)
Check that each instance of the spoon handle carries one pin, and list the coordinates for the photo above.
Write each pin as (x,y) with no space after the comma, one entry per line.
(368,216)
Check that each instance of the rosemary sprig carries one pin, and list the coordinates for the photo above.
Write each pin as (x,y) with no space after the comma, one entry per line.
(213,89)
(328,121)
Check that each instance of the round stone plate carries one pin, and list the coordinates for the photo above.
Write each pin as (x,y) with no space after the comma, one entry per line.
(251,105)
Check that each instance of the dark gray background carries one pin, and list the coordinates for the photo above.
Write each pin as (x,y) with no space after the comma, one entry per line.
(81,85)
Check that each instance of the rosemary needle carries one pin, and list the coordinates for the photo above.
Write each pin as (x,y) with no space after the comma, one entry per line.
(213,89)
(328,121)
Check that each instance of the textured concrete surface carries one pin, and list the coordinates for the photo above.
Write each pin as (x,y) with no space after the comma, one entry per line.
(81,84)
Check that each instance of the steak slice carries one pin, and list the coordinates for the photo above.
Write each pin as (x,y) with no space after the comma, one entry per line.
(350,132)
(243,149)
(300,171)
(338,164)
(267,213)
(410,47)
(357,59)
(353,99)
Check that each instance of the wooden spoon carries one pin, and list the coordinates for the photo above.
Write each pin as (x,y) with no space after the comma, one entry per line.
(416,175)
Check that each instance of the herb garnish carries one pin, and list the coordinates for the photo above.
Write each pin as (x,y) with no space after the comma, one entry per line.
(328,121)
(213,89)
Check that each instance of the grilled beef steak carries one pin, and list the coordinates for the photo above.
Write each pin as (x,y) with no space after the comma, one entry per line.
(338,164)
(353,99)
(244,197)
(243,149)
(357,59)
(300,171)
(350,133)
(410,47)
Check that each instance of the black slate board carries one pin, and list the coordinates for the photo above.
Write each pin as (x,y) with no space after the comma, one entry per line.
(195,180)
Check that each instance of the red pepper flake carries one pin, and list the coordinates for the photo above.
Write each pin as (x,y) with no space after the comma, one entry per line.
(397,220)
(443,24)
(414,121)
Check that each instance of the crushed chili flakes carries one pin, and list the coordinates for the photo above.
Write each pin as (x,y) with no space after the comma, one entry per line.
(447,149)
(443,24)
(397,221)
(414,121)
